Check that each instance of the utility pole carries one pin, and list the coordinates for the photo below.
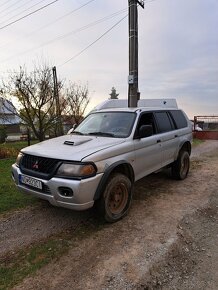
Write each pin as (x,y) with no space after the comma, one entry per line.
(57,102)
(133,93)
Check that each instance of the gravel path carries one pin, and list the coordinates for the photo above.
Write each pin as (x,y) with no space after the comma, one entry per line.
(34,224)
(130,253)
(204,147)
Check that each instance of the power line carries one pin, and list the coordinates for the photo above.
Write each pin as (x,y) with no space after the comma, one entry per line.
(17,8)
(91,44)
(84,27)
(78,30)
(8,7)
(6,2)
(41,8)
(65,15)
(89,25)
(49,24)
(148,1)
(20,13)
(70,33)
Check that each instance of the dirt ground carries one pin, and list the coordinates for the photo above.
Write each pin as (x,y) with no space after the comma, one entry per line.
(169,240)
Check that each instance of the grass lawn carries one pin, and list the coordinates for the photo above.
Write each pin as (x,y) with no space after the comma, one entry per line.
(17,145)
(11,149)
(10,197)
(25,262)
(14,268)
(197,142)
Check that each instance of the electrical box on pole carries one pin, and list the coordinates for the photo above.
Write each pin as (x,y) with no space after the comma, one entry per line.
(133,92)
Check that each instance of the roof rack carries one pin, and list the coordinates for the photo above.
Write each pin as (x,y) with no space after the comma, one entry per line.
(123,103)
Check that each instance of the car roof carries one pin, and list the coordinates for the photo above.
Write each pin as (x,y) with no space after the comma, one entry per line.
(135,109)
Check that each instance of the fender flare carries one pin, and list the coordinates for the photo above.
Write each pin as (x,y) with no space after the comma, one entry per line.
(107,173)
(188,144)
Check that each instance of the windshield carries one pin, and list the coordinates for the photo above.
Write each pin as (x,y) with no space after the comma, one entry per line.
(109,124)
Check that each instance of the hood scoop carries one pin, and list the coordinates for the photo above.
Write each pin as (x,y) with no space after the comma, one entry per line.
(76,143)
(69,143)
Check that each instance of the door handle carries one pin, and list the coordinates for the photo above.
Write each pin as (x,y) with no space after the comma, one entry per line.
(176,136)
(158,141)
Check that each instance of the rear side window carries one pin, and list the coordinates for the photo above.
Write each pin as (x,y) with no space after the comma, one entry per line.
(179,119)
(164,122)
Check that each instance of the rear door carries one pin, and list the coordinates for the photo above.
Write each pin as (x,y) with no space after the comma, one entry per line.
(169,138)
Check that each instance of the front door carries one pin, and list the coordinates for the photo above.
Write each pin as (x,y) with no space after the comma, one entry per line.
(148,151)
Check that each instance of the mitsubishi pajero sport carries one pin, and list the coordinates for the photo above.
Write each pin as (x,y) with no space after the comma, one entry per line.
(98,162)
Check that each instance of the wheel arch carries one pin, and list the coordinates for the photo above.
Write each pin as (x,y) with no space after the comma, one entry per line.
(118,167)
(186,146)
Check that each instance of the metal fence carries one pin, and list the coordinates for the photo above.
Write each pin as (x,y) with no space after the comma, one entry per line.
(206,123)
(206,127)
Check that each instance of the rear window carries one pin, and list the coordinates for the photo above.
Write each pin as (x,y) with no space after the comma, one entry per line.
(179,119)
(163,121)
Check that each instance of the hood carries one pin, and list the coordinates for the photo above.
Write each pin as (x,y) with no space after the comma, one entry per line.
(71,147)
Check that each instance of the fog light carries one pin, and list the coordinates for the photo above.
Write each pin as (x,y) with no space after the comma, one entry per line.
(65,191)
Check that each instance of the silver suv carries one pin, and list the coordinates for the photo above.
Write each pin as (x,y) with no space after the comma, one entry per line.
(98,163)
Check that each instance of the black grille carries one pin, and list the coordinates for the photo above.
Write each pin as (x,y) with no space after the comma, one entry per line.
(45,189)
(39,166)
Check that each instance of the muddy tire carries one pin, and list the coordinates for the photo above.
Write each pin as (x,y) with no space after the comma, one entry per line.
(116,199)
(180,167)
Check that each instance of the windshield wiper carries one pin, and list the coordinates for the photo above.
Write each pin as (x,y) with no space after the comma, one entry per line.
(77,132)
(102,134)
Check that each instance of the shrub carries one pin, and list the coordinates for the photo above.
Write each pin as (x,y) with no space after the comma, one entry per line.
(8,152)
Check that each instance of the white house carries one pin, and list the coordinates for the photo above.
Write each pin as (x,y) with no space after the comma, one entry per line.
(9,119)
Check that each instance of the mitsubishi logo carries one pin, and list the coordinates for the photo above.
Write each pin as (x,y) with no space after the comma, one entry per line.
(35,165)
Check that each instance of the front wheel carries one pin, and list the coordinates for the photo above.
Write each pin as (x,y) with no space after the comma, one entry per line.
(180,167)
(116,198)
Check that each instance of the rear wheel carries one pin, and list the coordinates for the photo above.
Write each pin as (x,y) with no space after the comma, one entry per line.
(180,167)
(116,198)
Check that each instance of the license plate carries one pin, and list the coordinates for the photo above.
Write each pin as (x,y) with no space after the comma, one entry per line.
(30,181)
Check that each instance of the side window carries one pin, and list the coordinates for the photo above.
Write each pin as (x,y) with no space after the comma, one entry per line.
(163,121)
(179,119)
(147,119)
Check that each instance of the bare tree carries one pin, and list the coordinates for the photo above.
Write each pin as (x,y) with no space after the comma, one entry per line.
(34,94)
(75,101)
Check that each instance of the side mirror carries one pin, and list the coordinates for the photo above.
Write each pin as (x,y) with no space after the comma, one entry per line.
(72,129)
(145,131)
(74,126)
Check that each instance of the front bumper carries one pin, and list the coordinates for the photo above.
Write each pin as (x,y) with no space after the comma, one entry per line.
(83,190)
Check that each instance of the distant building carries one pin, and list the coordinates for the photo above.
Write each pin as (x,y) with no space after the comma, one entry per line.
(9,118)
(69,122)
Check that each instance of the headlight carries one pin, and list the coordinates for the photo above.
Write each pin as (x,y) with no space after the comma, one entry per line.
(76,170)
(19,156)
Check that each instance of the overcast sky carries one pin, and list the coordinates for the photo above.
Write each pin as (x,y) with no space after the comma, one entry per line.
(178,47)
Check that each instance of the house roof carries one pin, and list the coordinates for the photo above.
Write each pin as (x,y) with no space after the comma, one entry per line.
(8,113)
